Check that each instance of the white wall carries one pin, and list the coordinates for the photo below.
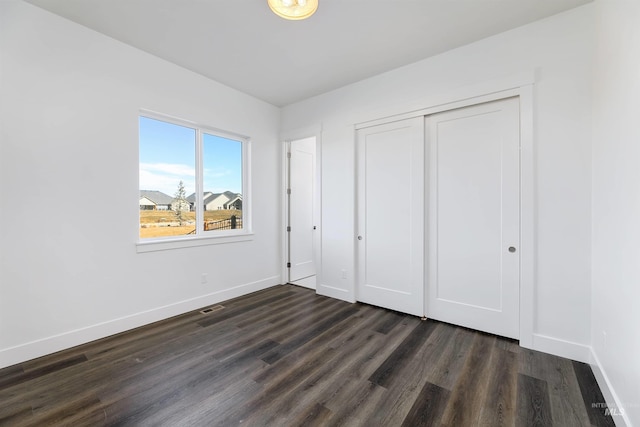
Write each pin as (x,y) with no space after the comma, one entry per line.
(69,100)
(560,50)
(69,132)
(616,202)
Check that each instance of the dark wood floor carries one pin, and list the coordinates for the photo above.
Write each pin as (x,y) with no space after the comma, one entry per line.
(287,357)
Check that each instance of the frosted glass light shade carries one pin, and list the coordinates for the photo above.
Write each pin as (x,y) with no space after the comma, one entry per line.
(293,9)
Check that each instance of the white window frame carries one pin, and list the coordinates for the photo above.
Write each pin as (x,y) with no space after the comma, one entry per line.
(201,237)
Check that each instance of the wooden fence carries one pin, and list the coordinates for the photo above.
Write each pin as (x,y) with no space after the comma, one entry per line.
(224,224)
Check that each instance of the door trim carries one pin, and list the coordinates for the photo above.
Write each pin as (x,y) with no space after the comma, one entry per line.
(521,87)
(491,90)
(317,254)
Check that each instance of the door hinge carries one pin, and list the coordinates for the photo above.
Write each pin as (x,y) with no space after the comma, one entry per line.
(288,228)
(288,155)
(288,191)
(288,265)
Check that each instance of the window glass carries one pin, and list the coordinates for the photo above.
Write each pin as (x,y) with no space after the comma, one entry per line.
(222,183)
(191,180)
(167,177)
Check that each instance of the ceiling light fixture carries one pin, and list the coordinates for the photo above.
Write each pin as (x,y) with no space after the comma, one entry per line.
(293,9)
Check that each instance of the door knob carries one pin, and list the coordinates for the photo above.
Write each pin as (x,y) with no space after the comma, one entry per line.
(512,249)
(359,237)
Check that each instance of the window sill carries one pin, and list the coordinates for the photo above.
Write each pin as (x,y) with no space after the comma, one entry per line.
(190,242)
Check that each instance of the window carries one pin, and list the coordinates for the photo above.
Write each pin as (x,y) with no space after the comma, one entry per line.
(192,180)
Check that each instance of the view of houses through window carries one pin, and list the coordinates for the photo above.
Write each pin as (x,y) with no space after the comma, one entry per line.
(177,158)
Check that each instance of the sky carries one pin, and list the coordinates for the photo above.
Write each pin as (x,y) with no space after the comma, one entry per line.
(167,155)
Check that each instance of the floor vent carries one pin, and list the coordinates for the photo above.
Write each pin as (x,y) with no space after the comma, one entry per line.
(211,309)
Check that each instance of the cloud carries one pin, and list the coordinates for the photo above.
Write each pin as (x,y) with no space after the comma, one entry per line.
(166,176)
(169,169)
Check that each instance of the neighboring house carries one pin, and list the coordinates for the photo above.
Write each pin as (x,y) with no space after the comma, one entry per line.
(218,201)
(208,195)
(235,203)
(223,201)
(154,200)
(147,204)
(192,201)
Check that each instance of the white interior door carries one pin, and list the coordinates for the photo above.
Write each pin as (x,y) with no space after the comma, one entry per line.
(474,198)
(302,223)
(390,228)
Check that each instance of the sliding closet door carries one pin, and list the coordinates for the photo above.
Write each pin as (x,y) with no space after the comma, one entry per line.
(390,207)
(473,233)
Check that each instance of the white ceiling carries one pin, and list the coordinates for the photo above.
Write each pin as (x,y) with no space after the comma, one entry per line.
(242,44)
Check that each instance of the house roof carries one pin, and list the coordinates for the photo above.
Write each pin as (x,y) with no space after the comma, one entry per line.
(192,197)
(233,197)
(210,197)
(230,195)
(157,197)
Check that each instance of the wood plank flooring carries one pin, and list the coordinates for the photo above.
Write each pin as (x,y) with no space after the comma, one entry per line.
(288,357)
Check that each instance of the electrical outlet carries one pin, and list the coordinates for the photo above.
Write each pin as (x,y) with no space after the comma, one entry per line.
(203,278)
(343,273)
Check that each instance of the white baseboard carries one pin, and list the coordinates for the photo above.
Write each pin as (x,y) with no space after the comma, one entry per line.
(31,350)
(620,417)
(570,350)
(585,354)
